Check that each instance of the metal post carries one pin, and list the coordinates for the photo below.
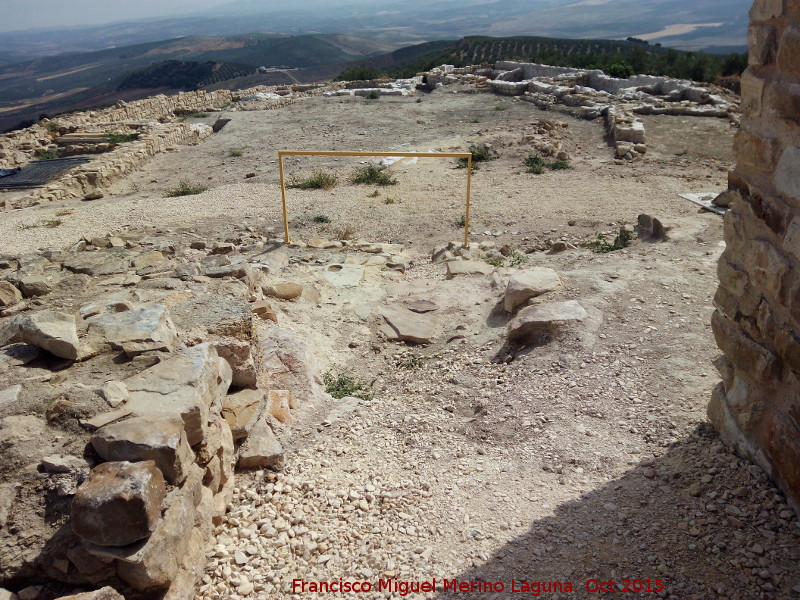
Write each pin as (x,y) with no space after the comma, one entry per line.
(283,199)
(466,214)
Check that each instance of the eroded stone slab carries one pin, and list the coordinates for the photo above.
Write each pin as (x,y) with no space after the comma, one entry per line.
(528,284)
(408,326)
(534,321)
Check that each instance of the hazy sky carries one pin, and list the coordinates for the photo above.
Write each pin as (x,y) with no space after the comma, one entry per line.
(23,14)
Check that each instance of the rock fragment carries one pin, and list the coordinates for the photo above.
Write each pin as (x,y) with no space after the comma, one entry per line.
(119,504)
(528,284)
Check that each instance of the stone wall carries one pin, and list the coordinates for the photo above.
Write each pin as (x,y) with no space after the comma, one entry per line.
(756,407)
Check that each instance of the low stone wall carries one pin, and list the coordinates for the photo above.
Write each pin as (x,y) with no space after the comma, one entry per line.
(107,167)
(169,399)
(756,407)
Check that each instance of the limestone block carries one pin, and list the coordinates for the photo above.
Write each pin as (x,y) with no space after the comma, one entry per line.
(789,51)
(161,439)
(285,362)
(9,294)
(188,385)
(34,285)
(49,330)
(406,325)
(154,563)
(262,449)
(137,330)
(528,284)
(242,409)
(752,94)
(747,356)
(278,406)
(237,353)
(119,503)
(534,322)
(787,180)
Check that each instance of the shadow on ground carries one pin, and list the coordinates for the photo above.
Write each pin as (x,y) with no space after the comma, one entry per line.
(689,518)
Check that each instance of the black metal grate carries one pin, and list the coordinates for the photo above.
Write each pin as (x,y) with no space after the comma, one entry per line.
(40,172)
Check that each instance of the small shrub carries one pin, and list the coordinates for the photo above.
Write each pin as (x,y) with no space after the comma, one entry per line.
(135,187)
(318,180)
(500,108)
(120,138)
(342,385)
(559,165)
(602,246)
(25,226)
(373,95)
(322,219)
(476,120)
(372,175)
(389,200)
(193,115)
(621,70)
(480,153)
(374,194)
(185,189)
(412,362)
(348,232)
(53,126)
(46,154)
(65,212)
(535,164)
(517,258)
(461,223)
(495,261)
(53,223)
(234,152)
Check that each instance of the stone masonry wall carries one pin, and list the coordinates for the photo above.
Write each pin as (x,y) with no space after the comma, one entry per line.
(756,407)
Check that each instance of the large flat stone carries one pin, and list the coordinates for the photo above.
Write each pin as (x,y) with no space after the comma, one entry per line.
(237,353)
(137,330)
(262,449)
(344,275)
(95,264)
(535,321)
(528,284)
(161,439)
(49,330)
(186,385)
(119,503)
(106,593)
(468,267)
(408,326)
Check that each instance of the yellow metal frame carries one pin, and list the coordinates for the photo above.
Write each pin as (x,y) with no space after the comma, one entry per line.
(467,155)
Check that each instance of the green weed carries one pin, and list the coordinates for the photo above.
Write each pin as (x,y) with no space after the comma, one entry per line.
(322,219)
(185,189)
(318,180)
(342,385)
(372,175)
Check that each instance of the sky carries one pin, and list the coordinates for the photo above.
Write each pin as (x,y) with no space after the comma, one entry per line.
(24,14)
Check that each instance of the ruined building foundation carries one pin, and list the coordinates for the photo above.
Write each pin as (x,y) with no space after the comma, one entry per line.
(756,407)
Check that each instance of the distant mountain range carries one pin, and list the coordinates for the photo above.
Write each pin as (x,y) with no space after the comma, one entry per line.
(71,68)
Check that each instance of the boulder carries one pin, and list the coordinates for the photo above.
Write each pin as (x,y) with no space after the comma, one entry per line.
(242,410)
(62,464)
(34,285)
(119,503)
(468,267)
(186,385)
(284,291)
(262,449)
(408,326)
(154,562)
(9,294)
(49,330)
(528,284)
(160,439)
(533,322)
(96,264)
(237,353)
(137,330)
(284,362)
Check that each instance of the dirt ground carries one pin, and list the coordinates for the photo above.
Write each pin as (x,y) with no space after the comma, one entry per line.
(584,460)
